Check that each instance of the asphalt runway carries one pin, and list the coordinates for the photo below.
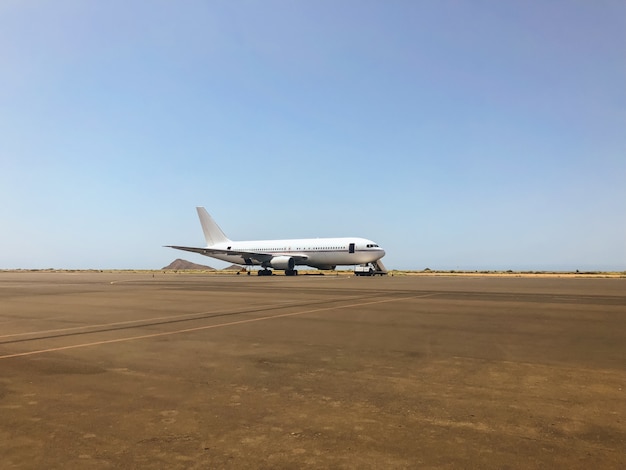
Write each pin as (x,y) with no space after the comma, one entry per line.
(122,370)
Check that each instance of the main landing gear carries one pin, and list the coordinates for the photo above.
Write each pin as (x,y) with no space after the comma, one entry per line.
(268,272)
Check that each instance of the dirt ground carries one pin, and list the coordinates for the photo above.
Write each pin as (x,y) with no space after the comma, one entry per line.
(140,370)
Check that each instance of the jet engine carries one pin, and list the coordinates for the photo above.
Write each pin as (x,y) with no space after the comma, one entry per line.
(282,262)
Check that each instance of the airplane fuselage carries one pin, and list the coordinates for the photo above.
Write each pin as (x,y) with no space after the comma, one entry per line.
(323,253)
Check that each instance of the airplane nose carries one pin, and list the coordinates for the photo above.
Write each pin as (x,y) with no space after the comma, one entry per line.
(383,252)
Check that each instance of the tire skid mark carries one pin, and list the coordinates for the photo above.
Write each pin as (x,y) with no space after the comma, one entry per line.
(146,322)
(209,327)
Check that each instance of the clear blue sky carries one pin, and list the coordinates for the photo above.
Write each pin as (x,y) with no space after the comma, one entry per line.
(456,134)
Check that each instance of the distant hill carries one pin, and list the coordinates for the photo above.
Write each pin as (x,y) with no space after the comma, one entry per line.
(232,267)
(181,264)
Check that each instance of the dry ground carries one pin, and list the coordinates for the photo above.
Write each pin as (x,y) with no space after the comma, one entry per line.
(115,370)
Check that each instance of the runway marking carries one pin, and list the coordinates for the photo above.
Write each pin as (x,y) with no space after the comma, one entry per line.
(208,327)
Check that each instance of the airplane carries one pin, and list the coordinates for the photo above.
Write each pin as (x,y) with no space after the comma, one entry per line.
(320,253)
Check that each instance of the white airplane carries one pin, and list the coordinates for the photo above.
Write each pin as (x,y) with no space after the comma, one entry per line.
(320,253)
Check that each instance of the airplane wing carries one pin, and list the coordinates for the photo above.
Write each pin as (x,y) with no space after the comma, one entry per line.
(260,257)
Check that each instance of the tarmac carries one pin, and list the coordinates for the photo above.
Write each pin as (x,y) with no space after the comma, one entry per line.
(153,370)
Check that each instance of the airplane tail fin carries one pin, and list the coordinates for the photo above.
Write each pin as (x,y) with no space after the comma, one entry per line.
(212,232)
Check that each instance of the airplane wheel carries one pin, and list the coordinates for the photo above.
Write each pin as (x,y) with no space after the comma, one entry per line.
(291,272)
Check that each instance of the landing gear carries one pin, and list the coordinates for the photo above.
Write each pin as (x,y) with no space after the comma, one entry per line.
(265,272)
(291,272)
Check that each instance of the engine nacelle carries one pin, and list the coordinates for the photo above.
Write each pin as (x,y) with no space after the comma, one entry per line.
(282,262)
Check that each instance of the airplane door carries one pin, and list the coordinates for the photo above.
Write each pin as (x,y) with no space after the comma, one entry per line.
(351,248)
